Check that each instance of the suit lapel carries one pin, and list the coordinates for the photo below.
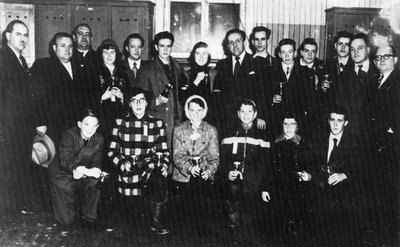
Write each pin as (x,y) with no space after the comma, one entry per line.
(160,74)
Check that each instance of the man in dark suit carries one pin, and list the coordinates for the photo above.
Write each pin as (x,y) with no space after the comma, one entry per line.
(162,78)
(259,41)
(59,96)
(133,46)
(336,157)
(294,90)
(86,61)
(239,77)
(383,123)
(334,66)
(353,81)
(15,107)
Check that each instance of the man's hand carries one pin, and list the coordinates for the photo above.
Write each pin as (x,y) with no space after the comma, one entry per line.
(164,171)
(261,124)
(195,171)
(205,175)
(336,178)
(277,99)
(126,166)
(93,172)
(161,100)
(325,85)
(304,176)
(41,130)
(234,174)
(265,196)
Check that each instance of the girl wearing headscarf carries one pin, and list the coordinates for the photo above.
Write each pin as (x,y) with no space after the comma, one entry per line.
(196,155)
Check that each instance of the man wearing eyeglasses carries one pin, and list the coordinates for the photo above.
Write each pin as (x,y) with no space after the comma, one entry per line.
(84,58)
(383,121)
(139,151)
(353,81)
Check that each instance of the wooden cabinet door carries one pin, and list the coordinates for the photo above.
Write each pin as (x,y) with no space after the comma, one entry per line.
(97,18)
(353,23)
(127,20)
(49,20)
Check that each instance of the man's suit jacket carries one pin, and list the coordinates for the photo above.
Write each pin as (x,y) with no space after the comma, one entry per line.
(58,98)
(153,79)
(248,84)
(344,160)
(127,70)
(382,105)
(87,70)
(351,93)
(15,91)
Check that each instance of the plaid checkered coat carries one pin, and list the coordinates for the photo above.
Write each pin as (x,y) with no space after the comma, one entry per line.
(141,138)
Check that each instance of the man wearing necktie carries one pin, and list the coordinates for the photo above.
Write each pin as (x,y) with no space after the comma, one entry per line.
(335,65)
(336,176)
(383,121)
(353,82)
(133,64)
(86,61)
(16,129)
(239,76)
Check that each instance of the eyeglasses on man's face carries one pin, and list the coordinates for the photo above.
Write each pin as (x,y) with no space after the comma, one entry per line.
(138,101)
(383,57)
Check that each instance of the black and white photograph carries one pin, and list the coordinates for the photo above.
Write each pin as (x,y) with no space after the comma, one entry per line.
(200,123)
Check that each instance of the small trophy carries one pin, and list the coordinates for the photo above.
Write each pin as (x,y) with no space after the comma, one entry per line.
(196,160)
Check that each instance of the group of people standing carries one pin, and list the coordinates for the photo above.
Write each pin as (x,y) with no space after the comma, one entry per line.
(316,142)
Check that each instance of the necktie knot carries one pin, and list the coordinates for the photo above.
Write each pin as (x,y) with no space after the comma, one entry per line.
(134,68)
(237,66)
(359,68)
(335,141)
(23,62)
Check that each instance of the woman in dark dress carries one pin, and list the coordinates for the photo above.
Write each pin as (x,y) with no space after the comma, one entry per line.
(290,176)
(112,85)
(201,77)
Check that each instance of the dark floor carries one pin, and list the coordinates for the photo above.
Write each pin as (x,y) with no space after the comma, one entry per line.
(37,228)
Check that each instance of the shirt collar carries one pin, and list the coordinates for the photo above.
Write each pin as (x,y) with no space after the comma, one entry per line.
(337,137)
(302,63)
(241,57)
(285,66)
(365,66)
(342,60)
(84,52)
(131,61)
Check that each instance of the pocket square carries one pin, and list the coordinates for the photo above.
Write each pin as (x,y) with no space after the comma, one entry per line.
(252,73)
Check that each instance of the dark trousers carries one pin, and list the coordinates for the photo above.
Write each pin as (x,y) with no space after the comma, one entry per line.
(67,203)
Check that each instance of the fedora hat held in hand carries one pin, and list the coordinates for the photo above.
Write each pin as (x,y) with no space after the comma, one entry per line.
(43,150)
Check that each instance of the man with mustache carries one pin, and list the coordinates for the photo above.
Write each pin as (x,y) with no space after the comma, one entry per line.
(15,103)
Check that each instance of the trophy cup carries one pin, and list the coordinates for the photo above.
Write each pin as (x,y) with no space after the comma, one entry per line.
(196,160)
